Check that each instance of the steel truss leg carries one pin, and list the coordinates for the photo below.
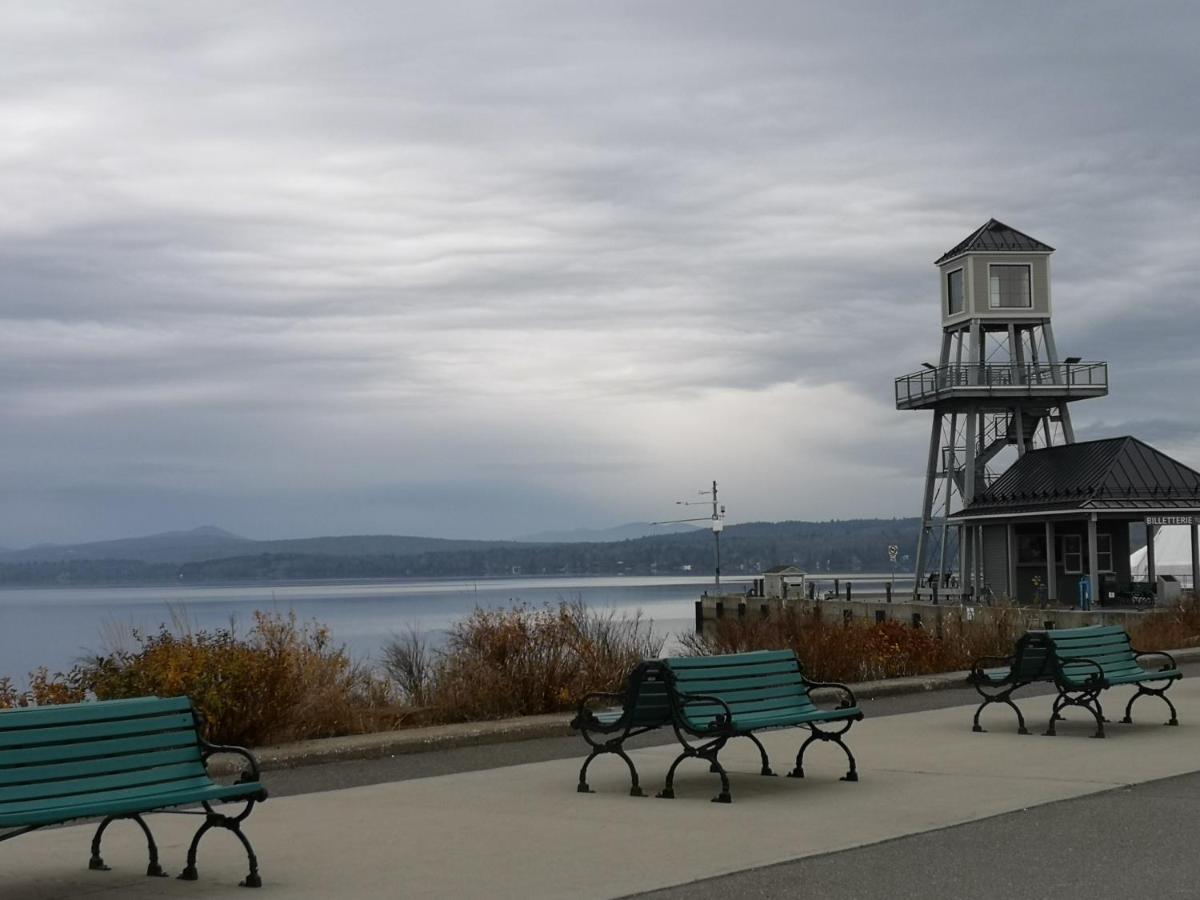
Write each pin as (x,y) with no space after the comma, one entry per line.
(96,863)
(835,737)
(229,823)
(1089,700)
(1002,697)
(1144,691)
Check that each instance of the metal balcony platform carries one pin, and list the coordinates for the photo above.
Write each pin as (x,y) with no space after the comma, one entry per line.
(1048,384)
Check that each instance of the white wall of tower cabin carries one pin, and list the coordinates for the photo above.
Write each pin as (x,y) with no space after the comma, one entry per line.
(975,287)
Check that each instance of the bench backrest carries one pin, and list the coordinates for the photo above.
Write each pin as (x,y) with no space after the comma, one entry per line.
(116,746)
(647,704)
(1032,657)
(759,682)
(1107,645)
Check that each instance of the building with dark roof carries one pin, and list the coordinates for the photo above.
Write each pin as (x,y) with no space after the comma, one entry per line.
(1011,502)
(1063,513)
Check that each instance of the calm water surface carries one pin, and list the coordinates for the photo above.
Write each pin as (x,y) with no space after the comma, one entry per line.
(55,627)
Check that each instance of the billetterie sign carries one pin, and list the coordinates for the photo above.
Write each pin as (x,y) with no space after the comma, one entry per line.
(1170,520)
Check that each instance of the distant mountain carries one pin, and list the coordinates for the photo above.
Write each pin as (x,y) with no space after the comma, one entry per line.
(853,545)
(205,542)
(209,542)
(627,532)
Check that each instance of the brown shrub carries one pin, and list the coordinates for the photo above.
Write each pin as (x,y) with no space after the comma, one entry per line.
(863,651)
(859,650)
(282,681)
(520,661)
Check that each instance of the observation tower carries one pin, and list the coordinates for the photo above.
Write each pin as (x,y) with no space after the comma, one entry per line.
(999,389)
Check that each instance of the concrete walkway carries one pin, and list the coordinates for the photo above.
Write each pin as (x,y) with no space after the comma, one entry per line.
(522,831)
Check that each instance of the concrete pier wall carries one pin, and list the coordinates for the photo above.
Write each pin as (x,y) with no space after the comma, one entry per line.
(711,607)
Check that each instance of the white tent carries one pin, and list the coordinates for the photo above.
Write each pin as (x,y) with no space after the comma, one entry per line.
(1172,555)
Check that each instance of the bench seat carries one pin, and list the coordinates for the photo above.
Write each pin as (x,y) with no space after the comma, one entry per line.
(1029,662)
(1088,661)
(714,699)
(114,760)
(121,802)
(643,707)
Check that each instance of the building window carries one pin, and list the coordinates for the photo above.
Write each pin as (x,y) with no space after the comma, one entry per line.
(1031,549)
(1104,554)
(954,293)
(1008,287)
(1072,553)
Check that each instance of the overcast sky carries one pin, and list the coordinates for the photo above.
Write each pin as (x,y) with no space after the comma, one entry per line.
(482,269)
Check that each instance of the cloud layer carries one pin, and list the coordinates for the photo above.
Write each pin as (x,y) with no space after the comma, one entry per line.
(495,268)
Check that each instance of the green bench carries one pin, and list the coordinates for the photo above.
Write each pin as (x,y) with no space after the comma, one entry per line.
(1029,662)
(643,706)
(1087,661)
(113,760)
(714,699)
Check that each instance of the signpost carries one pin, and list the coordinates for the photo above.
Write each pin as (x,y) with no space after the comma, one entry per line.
(893,554)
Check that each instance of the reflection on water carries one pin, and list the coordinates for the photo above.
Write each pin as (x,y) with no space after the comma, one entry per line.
(54,627)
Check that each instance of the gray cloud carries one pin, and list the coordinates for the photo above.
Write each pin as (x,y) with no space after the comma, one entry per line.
(497,268)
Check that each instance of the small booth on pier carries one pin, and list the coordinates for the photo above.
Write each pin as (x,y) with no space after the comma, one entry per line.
(1061,515)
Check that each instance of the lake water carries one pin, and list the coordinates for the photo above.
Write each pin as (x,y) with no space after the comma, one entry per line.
(55,627)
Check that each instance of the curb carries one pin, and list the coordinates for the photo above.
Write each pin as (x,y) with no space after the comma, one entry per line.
(470,734)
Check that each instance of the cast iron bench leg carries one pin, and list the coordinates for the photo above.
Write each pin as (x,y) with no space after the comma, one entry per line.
(229,823)
(835,737)
(96,863)
(1144,691)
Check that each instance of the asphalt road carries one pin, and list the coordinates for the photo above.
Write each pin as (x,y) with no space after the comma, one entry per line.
(1131,843)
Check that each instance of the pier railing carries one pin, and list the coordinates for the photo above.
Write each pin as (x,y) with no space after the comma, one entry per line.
(1057,380)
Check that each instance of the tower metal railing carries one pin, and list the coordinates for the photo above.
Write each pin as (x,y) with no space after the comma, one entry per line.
(1003,379)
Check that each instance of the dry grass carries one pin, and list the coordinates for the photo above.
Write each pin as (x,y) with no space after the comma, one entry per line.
(520,661)
(281,681)
(287,681)
(864,651)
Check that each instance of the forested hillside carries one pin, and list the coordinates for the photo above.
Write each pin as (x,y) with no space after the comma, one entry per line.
(853,545)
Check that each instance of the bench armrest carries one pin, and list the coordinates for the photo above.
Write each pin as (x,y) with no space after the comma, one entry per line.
(251,774)
(584,716)
(721,719)
(1091,678)
(1138,654)
(983,662)
(848,701)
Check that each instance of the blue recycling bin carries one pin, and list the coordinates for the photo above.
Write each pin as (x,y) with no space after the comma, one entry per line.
(1085,593)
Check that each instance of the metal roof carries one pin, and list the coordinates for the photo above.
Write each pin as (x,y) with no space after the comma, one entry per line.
(993,237)
(1112,474)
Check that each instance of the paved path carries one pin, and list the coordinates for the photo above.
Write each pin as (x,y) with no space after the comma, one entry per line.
(522,831)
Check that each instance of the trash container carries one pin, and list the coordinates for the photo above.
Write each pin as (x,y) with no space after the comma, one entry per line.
(1085,592)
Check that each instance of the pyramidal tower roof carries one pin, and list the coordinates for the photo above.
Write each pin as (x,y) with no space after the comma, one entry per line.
(994,236)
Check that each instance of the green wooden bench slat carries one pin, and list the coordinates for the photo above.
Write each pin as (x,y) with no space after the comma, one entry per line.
(101,765)
(679,663)
(128,801)
(791,679)
(1084,631)
(728,673)
(95,783)
(103,748)
(78,713)
(783,719)
(707,712)
(116,793)
(33,737)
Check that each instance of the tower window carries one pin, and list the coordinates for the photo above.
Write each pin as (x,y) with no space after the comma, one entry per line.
(1008,287)
(954,292)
